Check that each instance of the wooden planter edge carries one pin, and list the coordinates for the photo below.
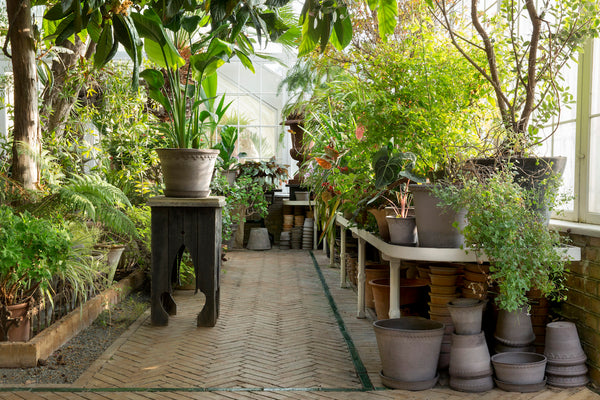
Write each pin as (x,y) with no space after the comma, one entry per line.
(27,354)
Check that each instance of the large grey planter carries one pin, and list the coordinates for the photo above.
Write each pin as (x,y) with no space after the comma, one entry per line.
(187,172)
(409,348)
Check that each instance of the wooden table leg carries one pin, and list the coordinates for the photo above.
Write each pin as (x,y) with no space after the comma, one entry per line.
(343,277)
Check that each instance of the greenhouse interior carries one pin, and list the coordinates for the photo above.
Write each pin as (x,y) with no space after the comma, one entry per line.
(300,199)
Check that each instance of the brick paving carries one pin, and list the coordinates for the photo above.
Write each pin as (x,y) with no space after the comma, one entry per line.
(277,337)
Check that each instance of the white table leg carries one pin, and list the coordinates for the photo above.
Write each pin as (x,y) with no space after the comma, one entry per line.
(343,278)
(361,278)
(394,311)
(316,230)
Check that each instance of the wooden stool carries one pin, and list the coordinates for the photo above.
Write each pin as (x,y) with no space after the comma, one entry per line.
(179,224)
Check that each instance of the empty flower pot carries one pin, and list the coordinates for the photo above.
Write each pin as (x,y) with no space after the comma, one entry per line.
(259,239)
(562,344)
(372,272)
(411,291)
(467,315)
(469,356)
(473,385)
(520,368)
(443,280)
(442,289)
(409,348)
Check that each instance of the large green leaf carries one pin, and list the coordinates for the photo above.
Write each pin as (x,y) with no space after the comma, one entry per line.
(126,34)
(159,47)
(387,13)
(104,46)
(59,10)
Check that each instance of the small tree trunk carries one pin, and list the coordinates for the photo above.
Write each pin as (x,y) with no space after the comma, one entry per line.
(59,100)
(26,117)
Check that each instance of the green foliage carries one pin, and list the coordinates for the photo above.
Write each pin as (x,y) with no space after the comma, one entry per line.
(503,224)
(226,147)
(268,174)
(408,93)
(245,197)
(32,252)
(90,196)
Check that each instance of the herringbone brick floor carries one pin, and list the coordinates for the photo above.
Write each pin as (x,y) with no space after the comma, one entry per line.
(277,337)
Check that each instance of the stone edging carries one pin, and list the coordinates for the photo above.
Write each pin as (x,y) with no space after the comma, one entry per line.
(27,354)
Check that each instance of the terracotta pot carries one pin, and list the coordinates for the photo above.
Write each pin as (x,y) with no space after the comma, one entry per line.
(520,368)
(469,356)
(19,330)
(442,299)
(443,280)
(566,370)
(187,172)
(435,224)
(438,309)
(514,328)
(444,270)
(409,348)
(477,268)
(373,272)
(382,224)
(403,231)
(562,344)
(467,315)
(443,318)
(423,273)
(475,277)
(411,291)
(442,289)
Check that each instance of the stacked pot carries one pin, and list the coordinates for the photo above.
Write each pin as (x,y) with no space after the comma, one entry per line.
(285,240)
(470,367)
(566,359)
(514,332)
(475,281)
(442,289)
(520,371)
(307,233)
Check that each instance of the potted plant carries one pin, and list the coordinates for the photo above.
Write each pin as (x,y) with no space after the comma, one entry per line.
(244,198)
(188,95)
(226,146)
(524,65)
(393,173)
(521,250)
(32,252)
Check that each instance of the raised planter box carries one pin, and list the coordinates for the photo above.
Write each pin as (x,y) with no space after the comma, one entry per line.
(27,354)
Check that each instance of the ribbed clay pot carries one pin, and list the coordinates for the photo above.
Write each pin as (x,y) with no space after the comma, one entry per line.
(519,368)
(475,385)
(469,356)
(372,272)
(409,348)
(467,315)
(514,328)
(187,172)
(562,344)
(442,299)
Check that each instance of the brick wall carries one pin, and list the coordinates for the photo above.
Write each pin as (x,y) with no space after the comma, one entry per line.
(583,302)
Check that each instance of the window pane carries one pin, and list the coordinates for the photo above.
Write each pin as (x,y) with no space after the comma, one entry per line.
(594,160)
(596,78)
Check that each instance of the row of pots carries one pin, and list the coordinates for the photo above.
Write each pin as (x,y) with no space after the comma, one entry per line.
(407,342)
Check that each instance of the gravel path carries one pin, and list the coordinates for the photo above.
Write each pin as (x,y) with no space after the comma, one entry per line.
(74,357)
